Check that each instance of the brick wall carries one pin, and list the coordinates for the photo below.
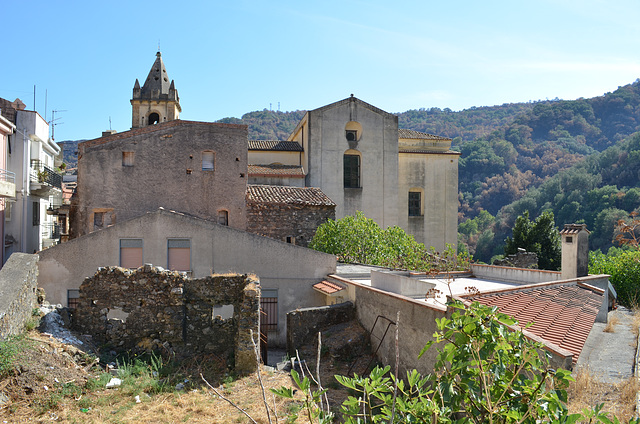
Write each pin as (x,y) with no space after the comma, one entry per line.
(156,310)
(280,221)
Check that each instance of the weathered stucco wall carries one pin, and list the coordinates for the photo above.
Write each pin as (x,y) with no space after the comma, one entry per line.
(18,284)
(289,270)
(153,310)
(514,275)
(167,171)
(377,143)
(436,175)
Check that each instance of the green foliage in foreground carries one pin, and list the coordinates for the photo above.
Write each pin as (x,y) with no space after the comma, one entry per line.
(484,373)
(358,239)
(624,268)
(10,351)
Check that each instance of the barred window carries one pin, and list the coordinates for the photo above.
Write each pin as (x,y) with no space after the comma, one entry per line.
(351,171)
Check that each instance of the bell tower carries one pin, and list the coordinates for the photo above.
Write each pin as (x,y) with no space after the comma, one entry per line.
(157,101)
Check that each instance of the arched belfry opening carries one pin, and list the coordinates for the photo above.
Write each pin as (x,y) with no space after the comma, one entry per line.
(154,118)
(159,94)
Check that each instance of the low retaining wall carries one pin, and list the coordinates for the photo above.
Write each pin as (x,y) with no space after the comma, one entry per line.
(156,310)
(514,275)
(303,324)
(18,284)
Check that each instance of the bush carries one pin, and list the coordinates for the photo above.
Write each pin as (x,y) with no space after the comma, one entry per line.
(624,268)
(358,239)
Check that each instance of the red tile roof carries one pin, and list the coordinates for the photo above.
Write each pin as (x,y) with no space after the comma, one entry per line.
(561,313)
(279,170)
(327,287)
(281,146)
(403,133)
(574,228)
(309,196)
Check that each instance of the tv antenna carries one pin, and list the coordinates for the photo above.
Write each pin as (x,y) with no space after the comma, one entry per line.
(53,122)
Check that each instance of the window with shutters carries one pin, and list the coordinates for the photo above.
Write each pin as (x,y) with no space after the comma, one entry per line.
(208,159)
(127,158)
(179,254)
(36,213)
(131,253)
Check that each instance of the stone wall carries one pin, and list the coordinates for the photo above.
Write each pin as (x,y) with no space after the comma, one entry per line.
(280,221)
(18,284)
(303,324)
(152,309)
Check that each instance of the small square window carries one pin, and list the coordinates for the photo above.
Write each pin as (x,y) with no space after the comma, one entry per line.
(569,239)
(352,135)
(98,220)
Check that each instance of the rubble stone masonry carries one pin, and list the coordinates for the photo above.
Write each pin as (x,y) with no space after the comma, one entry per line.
(18,297)
(151,309)
(280,221)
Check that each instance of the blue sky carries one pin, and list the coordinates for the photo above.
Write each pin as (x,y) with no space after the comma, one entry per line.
(229,58)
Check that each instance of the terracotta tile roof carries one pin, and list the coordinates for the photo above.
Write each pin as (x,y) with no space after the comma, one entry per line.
(310,196)
(574,228)
(271,170)
(153,128)
(562,314)
(327,287)
(427,152)
(402,133)
(281,146)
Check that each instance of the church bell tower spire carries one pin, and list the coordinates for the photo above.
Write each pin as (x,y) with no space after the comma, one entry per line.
(157,100)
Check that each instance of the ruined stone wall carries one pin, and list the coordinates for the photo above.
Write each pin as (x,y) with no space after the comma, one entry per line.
(303,324)
(18,283)
(152,309)
(280,221)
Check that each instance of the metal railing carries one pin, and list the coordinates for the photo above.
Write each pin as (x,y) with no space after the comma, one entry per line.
(7,176)
(50,230)
(44,174)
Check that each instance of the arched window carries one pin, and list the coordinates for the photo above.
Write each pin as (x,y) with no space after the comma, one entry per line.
(223,217)
(351,165)
(154,118)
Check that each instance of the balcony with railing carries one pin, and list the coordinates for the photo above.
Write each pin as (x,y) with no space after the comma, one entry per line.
(43,178)
(7,184)
(50,234)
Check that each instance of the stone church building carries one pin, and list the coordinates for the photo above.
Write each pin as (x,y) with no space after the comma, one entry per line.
(341,158)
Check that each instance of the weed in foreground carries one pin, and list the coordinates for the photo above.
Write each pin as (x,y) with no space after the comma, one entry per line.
(612,321)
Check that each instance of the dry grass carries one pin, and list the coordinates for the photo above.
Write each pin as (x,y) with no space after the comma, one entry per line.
(195,406)
(612,321)
(587,391)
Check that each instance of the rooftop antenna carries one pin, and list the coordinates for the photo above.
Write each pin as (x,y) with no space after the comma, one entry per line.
(278,106)
(158,45)
(109,123)
(53,122)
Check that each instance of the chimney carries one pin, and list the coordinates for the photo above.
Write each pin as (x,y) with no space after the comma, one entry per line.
(108,132)
(575,251)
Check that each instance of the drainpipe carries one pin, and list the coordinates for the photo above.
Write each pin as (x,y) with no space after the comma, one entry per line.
(25,189)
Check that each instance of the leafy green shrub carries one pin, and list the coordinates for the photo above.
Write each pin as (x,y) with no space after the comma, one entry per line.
(358,239)
(484,373)
(624,268)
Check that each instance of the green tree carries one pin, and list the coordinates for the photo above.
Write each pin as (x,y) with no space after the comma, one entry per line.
(358,239)
(540,237)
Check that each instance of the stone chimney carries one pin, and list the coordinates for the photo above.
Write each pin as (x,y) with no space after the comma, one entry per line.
(575,251)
